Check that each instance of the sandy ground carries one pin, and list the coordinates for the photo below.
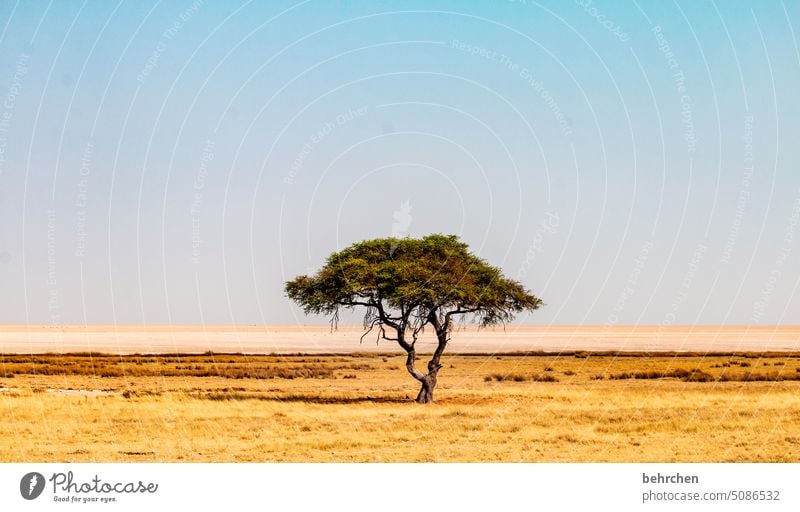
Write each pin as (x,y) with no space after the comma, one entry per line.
(125,339)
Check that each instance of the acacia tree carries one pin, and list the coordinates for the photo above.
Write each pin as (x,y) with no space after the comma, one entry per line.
(409,284)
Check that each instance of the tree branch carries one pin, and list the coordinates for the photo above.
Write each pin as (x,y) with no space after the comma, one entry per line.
(384,317)
(383,335)
(448,316)
(351,303)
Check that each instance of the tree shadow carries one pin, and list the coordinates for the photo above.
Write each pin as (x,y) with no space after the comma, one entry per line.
(340,400)
(300,398)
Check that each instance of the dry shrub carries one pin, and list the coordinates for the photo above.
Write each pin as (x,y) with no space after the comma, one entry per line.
(759,377)
(679,373)
(231,367)
(543,378)
(515,377)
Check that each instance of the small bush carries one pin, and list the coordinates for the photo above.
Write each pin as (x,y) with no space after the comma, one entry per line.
(515,377)
(698,376)
(621,376)
(543,378)
(701,376)
(758,377)
(499,377)
(678,373)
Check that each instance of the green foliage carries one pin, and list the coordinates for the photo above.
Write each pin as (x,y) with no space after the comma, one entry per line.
(425,279)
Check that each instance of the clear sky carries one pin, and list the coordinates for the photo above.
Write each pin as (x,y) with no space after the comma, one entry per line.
(177,161)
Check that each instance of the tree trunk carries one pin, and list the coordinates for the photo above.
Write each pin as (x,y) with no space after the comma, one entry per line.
(425,395)
(428,380)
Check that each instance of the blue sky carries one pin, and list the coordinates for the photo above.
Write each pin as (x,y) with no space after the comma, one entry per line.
(176,162)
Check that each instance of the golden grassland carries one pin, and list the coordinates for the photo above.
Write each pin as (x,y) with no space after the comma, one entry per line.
(566,407)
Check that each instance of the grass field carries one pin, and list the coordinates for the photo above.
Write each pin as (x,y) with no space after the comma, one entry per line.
(536,407)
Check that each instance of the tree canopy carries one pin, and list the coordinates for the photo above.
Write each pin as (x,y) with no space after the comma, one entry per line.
(406,284)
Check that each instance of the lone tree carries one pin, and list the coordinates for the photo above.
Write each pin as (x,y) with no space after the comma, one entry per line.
(408,284)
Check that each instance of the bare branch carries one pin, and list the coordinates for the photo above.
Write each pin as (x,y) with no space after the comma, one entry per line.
(384,317)
(388,338)
(372,324)
(459,311)
(418,329)
(335,319)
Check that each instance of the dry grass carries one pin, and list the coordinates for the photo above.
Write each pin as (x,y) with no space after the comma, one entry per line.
(535,407)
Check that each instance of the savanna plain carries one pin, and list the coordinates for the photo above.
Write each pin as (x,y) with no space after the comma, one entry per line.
(567,406)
